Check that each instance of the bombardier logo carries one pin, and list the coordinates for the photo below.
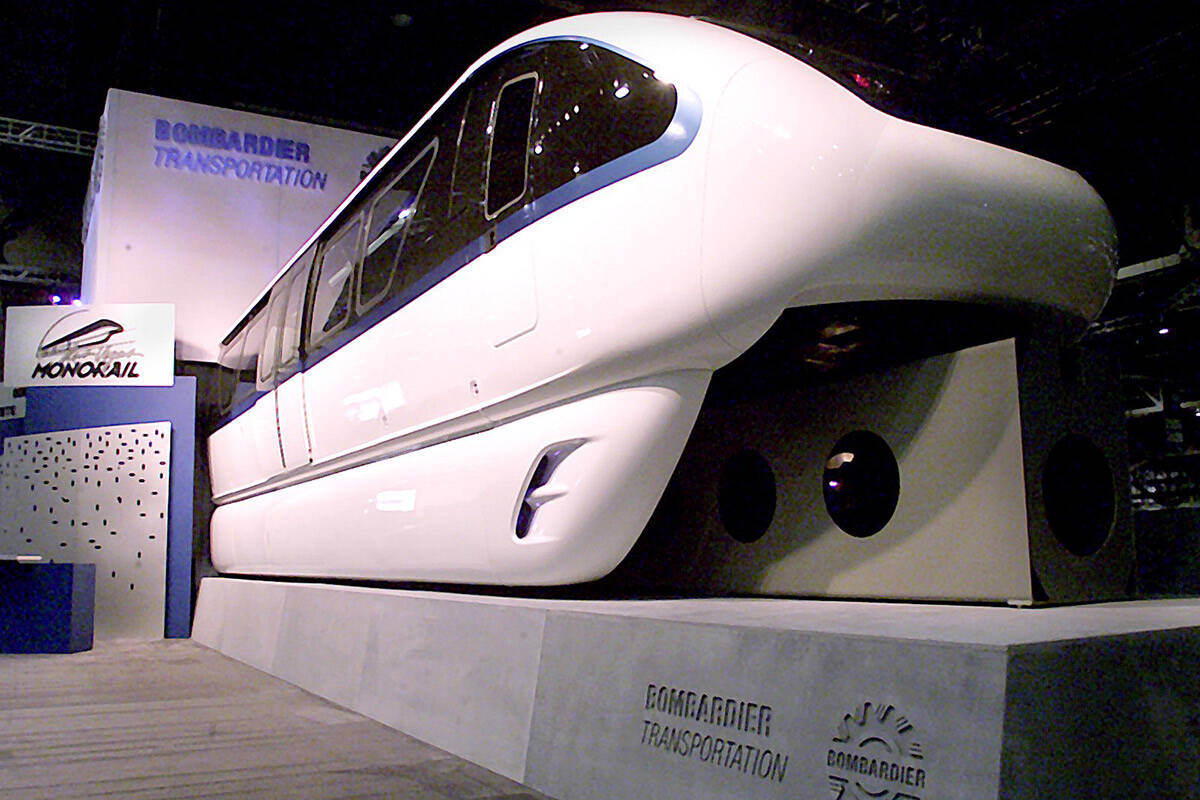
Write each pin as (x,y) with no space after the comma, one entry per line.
(876,756)
(82,345)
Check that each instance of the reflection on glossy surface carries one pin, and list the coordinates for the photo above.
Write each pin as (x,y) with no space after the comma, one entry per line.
(396,500)
(374,403)
(861,484)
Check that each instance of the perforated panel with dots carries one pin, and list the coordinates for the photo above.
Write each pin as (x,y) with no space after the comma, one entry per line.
(99,496)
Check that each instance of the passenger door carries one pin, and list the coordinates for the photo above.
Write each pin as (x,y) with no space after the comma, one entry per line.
(492,176)
(287,316)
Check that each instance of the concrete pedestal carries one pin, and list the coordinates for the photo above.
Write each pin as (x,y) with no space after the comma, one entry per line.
(1004,487)
(721,698)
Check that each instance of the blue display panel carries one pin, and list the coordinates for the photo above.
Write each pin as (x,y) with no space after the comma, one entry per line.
(46,608)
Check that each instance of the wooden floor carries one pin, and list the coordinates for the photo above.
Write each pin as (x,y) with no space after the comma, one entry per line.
(173,719)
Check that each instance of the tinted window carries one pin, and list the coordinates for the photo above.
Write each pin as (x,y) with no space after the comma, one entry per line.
(245,363)
(270,350)
(238,361)
(285,316)
(466,194)
(527,123)
(331,298)
(509,153)
(391,215)
(293,316)
(231,352)
(595,107)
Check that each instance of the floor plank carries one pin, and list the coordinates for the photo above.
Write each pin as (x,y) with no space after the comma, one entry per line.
(172,719)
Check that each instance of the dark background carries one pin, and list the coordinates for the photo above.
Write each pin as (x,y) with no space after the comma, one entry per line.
(1106,88)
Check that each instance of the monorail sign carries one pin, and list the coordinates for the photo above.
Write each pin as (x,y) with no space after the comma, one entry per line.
(104,345)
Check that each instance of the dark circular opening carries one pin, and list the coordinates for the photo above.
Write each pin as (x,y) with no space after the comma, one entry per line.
(1079,495)
(746,497)
(861,483)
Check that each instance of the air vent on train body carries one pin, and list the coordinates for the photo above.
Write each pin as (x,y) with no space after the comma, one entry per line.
(540,488)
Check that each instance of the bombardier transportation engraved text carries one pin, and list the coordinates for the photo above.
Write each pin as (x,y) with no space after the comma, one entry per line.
(702,744)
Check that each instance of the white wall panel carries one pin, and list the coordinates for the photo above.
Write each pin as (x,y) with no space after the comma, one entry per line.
(95,495)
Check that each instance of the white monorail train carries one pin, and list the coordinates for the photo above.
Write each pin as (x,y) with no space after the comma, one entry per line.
(484,366)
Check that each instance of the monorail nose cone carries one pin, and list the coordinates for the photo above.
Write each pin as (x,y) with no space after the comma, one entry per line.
(957,219)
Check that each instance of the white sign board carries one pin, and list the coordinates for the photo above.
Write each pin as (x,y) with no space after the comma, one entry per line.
(200,206)
(105,345)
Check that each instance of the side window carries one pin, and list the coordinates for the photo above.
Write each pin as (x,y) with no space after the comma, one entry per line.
(246,363)
(293,315)
(227,365)
(391,214)
(331,298)
(508,157)
(270,351)
(238,361)
(466,185)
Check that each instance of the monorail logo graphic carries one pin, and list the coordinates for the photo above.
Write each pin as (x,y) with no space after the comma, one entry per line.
(84,345)
(876,756)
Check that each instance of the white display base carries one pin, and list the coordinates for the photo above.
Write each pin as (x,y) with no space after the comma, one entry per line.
(719,698)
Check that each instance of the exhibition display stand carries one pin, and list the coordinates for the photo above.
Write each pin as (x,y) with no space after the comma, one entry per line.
(143,584)
(748,697)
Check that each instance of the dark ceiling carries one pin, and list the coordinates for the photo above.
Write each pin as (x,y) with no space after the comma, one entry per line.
(1102,87)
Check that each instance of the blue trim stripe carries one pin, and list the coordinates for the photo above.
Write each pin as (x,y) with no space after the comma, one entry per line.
(679,135)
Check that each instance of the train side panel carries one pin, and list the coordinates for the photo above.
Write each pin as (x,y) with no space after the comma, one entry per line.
(245,452)
(453,512)
(618,294)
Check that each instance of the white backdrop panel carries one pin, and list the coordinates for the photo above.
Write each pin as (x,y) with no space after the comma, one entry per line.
(180,216)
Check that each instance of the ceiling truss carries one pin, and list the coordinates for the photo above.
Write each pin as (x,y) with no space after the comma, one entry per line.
(46,137)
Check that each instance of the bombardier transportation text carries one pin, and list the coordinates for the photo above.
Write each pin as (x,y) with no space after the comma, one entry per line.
(209,137)
(746,757)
